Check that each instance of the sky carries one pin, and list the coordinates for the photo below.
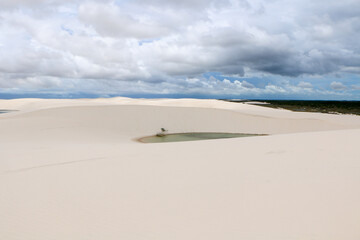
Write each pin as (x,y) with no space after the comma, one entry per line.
(243,49)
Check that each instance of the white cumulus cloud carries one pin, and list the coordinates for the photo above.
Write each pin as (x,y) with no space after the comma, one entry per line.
(337,86)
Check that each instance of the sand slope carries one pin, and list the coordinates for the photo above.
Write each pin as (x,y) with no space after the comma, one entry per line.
(70,169)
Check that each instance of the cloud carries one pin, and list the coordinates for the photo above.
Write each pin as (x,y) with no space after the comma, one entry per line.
(169,44)
(21,4)
(355,87)
(245,84)
(337,86)
(110,20)
(305,85)
(185,4)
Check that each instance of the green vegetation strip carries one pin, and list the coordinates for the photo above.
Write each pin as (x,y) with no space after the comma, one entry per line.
(333,107)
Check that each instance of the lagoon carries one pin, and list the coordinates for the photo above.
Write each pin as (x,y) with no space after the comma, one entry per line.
(195,136)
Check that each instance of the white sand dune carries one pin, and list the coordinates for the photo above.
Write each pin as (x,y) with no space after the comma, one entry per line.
(71,169)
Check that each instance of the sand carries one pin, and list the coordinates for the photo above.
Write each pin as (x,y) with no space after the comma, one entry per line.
(71,169)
